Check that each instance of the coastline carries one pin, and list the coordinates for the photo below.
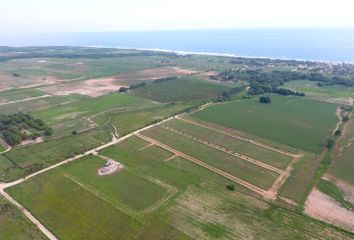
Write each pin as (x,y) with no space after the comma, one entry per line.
(185,53)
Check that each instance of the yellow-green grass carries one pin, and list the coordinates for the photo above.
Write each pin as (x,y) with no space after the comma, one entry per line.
(2,148)
(70,211)
(343,163)
(210,212)
(8,170)
(14,225)
(295,121)
(181,89)
(88,107)
(265,155)
(122,188)
(19,94)
(37,104)
(47,153)
(299,183)
(126,121)
(311,89)
(247,171)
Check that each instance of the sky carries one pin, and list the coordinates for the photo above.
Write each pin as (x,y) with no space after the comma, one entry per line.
(23,16)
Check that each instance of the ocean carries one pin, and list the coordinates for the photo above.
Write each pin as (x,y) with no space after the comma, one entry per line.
(314,44)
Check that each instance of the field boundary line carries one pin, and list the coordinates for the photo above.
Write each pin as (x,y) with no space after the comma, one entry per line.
(41,227)
(278,183)
(238,137)
(34,220)
(237,180)
(26,99)
(227,151)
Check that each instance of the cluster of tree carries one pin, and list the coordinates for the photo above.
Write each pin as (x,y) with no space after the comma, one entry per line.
(226,96)
(18,127)
(133,86)
(267,82)
(288,92)
(160,80)
(265,99)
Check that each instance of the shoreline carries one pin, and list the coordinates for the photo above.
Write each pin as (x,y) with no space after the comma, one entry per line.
(231,55)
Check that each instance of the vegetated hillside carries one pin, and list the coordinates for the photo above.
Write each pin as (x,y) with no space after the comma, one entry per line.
(294,121)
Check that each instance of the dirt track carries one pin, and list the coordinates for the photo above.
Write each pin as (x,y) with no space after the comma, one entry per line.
(204,165)
(26,99)
(41,227)
(239,137)
(222,149)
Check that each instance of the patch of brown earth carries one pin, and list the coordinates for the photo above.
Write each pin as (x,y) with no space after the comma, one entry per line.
(346,188)
(319,205)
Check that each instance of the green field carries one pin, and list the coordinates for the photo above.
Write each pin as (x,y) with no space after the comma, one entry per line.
(265,155)
(299,183)
(311,89)
(34,157)
(13,225)
(126,121)
(181,89)
(344,161)
(88,107)
(240,168)
(295,121)
(13,95)
(36,104)
(202,208)
(2,148)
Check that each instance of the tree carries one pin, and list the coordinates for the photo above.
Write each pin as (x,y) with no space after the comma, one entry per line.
(345,119)
(265,99)
(330,143)
(230,187)
(337,133)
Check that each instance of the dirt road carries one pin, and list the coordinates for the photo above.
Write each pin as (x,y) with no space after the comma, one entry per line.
(41,227)
(238,137)
(239,181)
(222,149)
(25,100)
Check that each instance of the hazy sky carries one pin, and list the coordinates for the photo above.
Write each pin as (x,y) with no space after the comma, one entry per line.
(117,15)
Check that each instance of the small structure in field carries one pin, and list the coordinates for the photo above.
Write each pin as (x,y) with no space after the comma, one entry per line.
(110,167)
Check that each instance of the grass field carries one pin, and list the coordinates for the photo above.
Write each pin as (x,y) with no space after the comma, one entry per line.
(34,157)
(13,95)
(2,148)
(181,89)
(13,225)
(343,159)
(36,104)
(298,185)
(240,168)
(201,208)
(311,89)
(126,121)
(243,147)
(298,122)
(88,107)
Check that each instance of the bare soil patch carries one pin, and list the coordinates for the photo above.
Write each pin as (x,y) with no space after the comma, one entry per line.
(323,207)
(110,167)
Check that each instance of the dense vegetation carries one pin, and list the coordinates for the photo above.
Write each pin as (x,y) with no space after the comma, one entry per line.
(269,82)
(18,127)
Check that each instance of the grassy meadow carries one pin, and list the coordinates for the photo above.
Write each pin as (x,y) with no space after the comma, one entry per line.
(199,206)
(295,121)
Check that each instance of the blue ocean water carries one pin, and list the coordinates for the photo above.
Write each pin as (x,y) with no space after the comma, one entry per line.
(324,44)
